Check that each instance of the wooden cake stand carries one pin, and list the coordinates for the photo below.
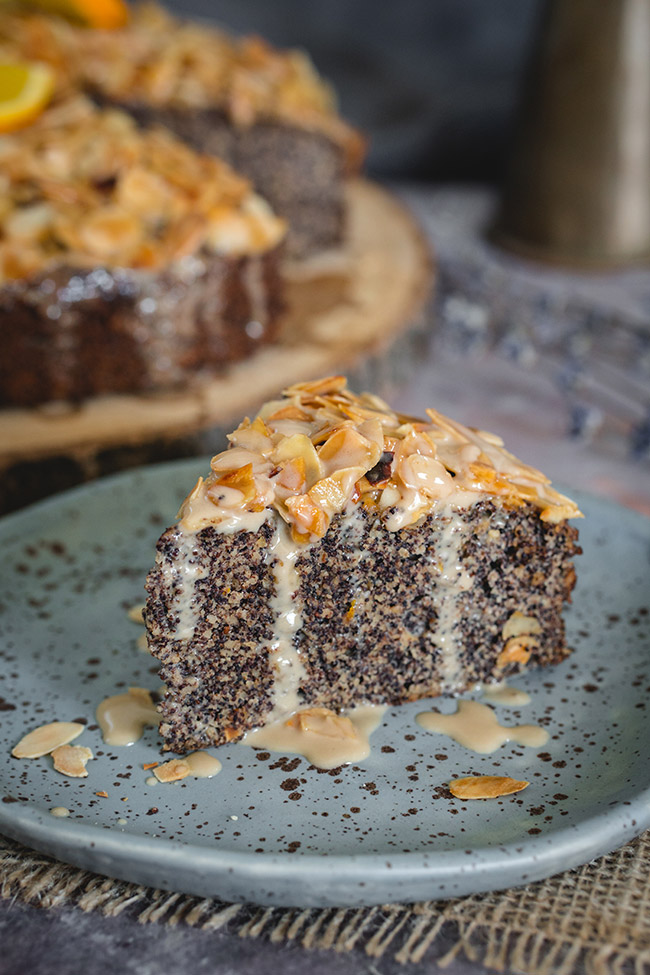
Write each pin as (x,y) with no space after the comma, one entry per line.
(359,310)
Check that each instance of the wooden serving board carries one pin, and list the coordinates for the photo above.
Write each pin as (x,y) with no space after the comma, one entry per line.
(358,310)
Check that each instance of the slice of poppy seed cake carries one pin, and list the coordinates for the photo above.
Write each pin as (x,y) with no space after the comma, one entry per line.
(339,553)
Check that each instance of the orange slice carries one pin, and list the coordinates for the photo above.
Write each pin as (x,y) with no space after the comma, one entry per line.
(25,90)
(105,14)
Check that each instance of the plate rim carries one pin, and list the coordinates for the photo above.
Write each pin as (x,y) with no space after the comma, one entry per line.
(569,846)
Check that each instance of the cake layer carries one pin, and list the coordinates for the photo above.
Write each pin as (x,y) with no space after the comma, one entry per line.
(74,333)
(378,616)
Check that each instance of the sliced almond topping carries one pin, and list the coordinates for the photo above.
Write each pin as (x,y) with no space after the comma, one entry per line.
(172,771)
(300,445)
(322,721)
(72,760)
(425,474)
(292,475)
(43,740)
(290,413)
(320,387)
(518,625)
(348,448)
(485,786)
(329,447)
(254,436)
(308,518)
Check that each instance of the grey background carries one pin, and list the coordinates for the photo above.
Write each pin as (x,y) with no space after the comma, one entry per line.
(434,83)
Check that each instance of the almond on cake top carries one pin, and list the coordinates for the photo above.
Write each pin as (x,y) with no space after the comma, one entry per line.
(84,187)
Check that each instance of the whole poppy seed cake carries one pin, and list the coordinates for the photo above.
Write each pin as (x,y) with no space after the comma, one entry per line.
(339,553)
(128,262)
(266,112)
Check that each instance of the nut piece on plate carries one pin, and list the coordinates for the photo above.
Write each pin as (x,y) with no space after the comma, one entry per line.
(43,740)
(135,613)
(485,787)
(72,760)
(322,721)
(172,771)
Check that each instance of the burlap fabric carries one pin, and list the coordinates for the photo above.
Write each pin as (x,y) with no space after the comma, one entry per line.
(595,918)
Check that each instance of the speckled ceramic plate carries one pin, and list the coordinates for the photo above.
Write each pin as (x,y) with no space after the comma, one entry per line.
(272,829)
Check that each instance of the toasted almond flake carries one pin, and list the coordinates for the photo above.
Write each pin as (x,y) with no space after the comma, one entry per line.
(102,794)
(320,387)
(72,760)
(293,475)
(136,613)
(299,445)
(43,740)
(322,721)
(485,786)
(289,413)
(172,771)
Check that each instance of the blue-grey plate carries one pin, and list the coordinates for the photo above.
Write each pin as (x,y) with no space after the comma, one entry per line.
(272,829)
